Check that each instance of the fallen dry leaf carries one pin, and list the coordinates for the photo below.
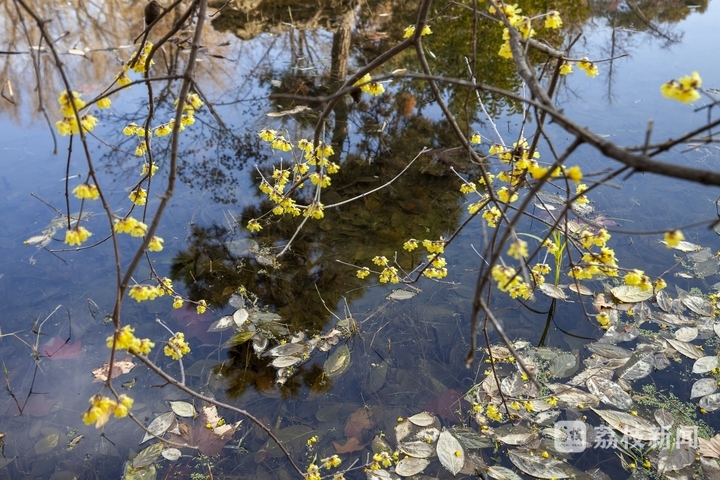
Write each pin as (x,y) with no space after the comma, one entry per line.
(358,421)
(119,368)
(352,445)
(710,448)
(59,349)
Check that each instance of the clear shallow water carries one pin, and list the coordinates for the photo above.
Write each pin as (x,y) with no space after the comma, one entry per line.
(424,339)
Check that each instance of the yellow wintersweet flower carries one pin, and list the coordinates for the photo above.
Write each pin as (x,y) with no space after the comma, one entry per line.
(505,51)
(163,130)
(493,413)
(126,340)
(88,122)
(503,195)
(362,273)
(590,68)
(518,249)
(138,196)
(141,149)
(566,68)
(201,307)
(177,301)
(410,245)
(122,79)
(492,215)
(380,261)
(476,138)
(156,244)
(177,346)
(104,102)
(659,284)
(673,238)
(434,246)
(468,187)
(634,278)
(389,274)
(86,191)
(254,226)
(188,119)
(77,236)
(574,174)
(145,169)
(553,20)
(281,144)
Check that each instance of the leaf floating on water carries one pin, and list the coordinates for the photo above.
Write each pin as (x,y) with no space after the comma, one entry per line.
(221,324)
(402,430)
(552,291)
(401,294)
(119,368)
(634,427)
(515,434)
(240,316)
(183,409)
(536,466)
(287,361)
(687,349)
(423,419)
(580,289)
(639,366)
(417,449)
(686,334)
(502,473)
(663,300)
(148,456)
(409,466)
(710,403)
(159,426)
(338,362)
(450,453)
(630,294)
(699,306)
(710,448)
(381,475)
(171,454)
(609,351)
(684,246)
(286,349)
(236,301)
(610,393)
(703,387)
(705,364)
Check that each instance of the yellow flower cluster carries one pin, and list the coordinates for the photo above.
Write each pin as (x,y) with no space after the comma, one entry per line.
(102,407)
(603,263)
(69,125)
(126,340)
(492,216)
(86,191)
(509,280)
(139,64)
(177,301)
(553,20)
(368,86)
(145,169)
(315,156)
(130,225)
(673,238)
(637,278)
(410,31)
(156,244)
(518,249)
(383,458)
(201,307)
(177,346)
(331,462)
(362,273)
(589,67)
(683,90)
(138,196)
(77,236)
(140,293)
(493,413)
(253,225)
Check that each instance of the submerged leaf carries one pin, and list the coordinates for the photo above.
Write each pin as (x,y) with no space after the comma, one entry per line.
(338,362)
(183,409)
(148,456)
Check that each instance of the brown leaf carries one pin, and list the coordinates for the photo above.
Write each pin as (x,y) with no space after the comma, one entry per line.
(352,445)
(119,368)
(710,448)
(358,421)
